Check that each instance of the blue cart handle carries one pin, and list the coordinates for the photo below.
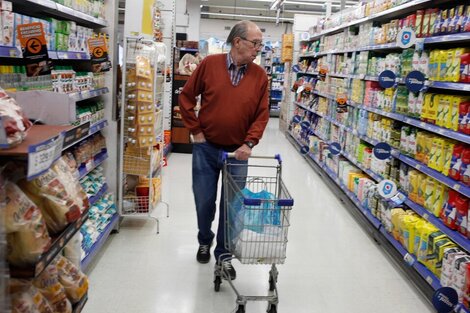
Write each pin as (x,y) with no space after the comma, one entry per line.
(231,155)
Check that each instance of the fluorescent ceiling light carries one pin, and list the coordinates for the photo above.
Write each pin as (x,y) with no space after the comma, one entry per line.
(249,16)
(322,2)
(228,7)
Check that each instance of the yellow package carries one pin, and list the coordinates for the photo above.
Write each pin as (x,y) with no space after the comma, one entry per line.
(439,157)
(444,55)
(433,238)
(395,218)
(448,149)
(418,229)
(432,156)
(438,253)
(431,112)
(429,194)
(433,64)
(422,182)
(453,122)
(426,105)
(439,198)
(445,102)
(440,112)
(446,74)
(420,146)
(414,185)
(409,222)
(453,71)
(428,147)
(424,234)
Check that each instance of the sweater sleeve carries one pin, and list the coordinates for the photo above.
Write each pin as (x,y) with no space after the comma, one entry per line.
(187,99)
(262,117)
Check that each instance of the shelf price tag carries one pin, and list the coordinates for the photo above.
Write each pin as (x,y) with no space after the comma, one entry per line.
(409,259)
(41,156)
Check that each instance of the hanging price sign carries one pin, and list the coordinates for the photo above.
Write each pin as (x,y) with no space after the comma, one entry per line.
(99,55)
(335,148)
(387,79)
(41,156)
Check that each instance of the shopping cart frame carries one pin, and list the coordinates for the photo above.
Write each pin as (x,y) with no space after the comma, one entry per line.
(259,250)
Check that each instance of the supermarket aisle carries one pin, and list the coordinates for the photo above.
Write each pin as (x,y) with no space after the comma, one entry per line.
(332,265)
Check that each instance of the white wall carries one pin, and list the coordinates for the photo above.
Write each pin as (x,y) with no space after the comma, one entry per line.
(194,12)
(216,28)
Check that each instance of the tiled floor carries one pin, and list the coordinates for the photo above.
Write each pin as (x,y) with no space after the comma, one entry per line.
(332,266)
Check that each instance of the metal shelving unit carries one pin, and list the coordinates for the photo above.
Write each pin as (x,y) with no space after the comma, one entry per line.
(422,276)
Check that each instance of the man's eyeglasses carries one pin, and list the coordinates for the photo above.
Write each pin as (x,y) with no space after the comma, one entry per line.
(256,44)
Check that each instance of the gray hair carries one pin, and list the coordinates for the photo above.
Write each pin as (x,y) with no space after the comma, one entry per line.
(239,30)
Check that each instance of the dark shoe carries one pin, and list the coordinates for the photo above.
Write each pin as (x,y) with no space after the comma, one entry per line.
(204,254)
(228,269)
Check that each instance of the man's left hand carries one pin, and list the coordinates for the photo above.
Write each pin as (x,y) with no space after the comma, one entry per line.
(243,153)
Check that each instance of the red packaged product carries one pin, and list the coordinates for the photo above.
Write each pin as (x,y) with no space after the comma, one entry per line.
(449,211)
(465,168)
(465,68)
(463,112)
(412,21)
(456,162)
(461,206)
(419,23)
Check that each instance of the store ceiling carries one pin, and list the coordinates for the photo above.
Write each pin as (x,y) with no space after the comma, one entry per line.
(257,9)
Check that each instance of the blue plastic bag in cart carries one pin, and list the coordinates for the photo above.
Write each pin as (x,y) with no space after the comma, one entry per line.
(254,218)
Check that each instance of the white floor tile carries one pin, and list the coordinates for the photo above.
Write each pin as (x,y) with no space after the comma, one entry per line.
(332,265)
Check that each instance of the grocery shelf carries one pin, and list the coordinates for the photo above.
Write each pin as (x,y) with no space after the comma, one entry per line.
(58,243)
(98,245)
(448,38)
(456,185)
(88,94)
(454,235)
(99,195)
(81,132)
(37,135)
(307,109)
(68,55)
(412,261)
(96,161)
(9,52)
(423,125)
(59,10)
(448,85)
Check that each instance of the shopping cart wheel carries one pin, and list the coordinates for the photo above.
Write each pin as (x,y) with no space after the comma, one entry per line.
(241,309)
(272,309)
(217,282)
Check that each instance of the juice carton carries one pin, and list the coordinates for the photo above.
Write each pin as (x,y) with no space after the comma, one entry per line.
(448,150)
(449,211)
(429,194)
(456,162)
(439,198)
(465,168)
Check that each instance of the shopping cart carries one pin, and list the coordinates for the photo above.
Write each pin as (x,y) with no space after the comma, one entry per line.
(257,208)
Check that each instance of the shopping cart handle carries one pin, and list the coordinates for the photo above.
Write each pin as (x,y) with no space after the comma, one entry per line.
(231,155)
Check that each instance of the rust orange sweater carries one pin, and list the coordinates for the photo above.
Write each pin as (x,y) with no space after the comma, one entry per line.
(229,115)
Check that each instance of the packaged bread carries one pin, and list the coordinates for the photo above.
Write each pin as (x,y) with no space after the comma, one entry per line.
(68,175)
(50,287)
(27,236)
(50,193)
(14,121)
(25,298)
(73,280)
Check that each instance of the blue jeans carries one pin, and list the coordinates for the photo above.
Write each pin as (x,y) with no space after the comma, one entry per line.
(207,166)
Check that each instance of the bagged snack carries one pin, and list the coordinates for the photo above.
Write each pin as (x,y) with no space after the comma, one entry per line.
(27,236)
(50,194)
(49,286)
(25,298)
(14,121)
(73,280)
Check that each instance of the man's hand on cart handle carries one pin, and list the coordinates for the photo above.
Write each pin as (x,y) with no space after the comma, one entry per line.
(199,138)
(243,153)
